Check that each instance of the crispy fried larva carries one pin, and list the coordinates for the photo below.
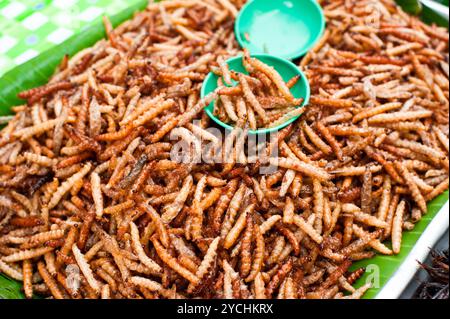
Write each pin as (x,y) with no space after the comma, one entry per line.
(188,263)
(85,269)
(67,185)
(288,178)
(39,159)
(158,222)
(238,227)
(370,113)
(245,249)
(277,248)
(388,166)
(418,148)
(40,128)
(49,281)
(151,285)
(232,210)
(260,289)
(106,292)
(269,223)
(197,211)
(366,193)
(375,244)
(442,138)
(358,245)
(399,117)
(229,6)
(278,278)
(242,109)
(180,245)
(27,254)
(227,281)
(251,98)
(211,198)
(334,144)
(362,217)
(97,194)
(94,117)
(318,205)
(288,211)
(28,278)
(203,134)
(67,246)
(88,220)
(302,167)
(274,76)
(289,289)
(137,247)
(315,139)
(258,256)
(327,213)
(110,244)
(172,210)
(189,115)
(416,194)
(357,171)
(359,292)
(439,189)
(332,103)
(93,251)
(225,70)
(40,238)
(152,113)
(111,210)
(287,116)
(207,261)
(308,229)
(397,230)
(335,275)
(172,263)
(383,208)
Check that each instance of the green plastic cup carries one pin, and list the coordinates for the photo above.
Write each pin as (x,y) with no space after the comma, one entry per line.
(287,29)
(287,71)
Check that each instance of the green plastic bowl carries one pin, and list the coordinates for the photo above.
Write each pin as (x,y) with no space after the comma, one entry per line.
(287,29)
(287,71)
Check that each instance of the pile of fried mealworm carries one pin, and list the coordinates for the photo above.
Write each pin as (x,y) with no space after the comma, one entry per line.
(92,206)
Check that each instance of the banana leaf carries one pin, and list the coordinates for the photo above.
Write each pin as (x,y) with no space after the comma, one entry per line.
(38,70)
(10,289)
(411,6)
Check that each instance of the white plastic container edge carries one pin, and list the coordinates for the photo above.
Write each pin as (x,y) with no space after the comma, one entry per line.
(401,278)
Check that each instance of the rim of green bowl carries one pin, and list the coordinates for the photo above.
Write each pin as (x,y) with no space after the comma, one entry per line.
(303,80)
(300,52)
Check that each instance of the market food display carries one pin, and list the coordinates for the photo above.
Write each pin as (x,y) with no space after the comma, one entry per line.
(92,204)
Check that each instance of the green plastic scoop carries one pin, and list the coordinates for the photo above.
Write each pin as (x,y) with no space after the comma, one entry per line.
(287,29)
(285,68)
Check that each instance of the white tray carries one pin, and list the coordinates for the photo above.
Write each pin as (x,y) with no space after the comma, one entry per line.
(401,278)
